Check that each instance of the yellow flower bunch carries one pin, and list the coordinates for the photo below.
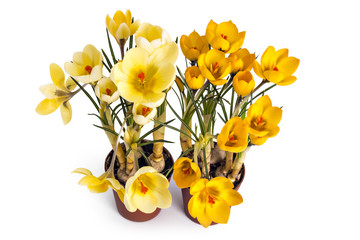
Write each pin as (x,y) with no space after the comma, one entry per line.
(131,95)
(219,83)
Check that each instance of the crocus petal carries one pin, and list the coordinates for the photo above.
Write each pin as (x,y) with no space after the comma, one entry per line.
(219,211)
(287,81)
(198,186)
(273,115)
(47,106)
(49,91)
(231,197)
(288,65)
(66,112)
(82,171)
(57,76)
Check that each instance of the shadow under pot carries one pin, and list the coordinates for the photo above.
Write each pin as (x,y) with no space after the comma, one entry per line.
(139,216)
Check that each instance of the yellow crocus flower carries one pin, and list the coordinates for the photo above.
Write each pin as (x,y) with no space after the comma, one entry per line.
(142,77)
(146,191)
(57,94)
(185,172)
(243,83)
(233,136)
(241,60)
(211,200)
(106,90)
(193,45)
(224,36)
(86,66)
(157,42)
(214,66)
(194,78)
(100,184)
(143,114)
(277,67)
(263,119)
(120,26)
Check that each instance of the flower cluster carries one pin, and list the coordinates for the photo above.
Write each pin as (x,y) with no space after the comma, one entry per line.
(219,83)
(138,81)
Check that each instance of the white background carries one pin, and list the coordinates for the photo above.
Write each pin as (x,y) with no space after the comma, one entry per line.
(302,184)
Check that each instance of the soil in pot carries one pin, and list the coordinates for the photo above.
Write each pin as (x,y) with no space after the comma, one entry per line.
(139,216)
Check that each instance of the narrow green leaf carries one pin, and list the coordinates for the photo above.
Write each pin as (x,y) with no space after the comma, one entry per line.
(153,130)
(144,156)
(110,46)
(87,94)
(107,129)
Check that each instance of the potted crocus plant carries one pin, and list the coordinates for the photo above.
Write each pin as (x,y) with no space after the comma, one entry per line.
(218,83)
(130,96)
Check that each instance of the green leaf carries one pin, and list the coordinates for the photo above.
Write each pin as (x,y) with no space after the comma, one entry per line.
(107,59)
(173,128)
(87,94)
(144,156)
(110,46)
(153,141)
(107,129)
(153,130)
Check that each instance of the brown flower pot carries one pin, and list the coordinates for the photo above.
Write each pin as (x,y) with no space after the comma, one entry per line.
(139,216)
(186,195)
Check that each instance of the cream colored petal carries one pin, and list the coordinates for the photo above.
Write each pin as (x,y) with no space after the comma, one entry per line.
(168,53)
(114,183)
(152,99)
(96,73)
(73,69)
(145,44)
(66,112)
(163,78)
(94,54)
(47,106)
(134,27)
(70,84)
(83,78)
(49,91)
(123,32)
(147,203)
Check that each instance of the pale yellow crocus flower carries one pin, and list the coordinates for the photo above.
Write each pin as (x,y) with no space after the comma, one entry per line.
(57,94)
(106,90)
(152,38)
(121,25)
(142,77)
(100,184)
(146,191)
(143,114)
(86,66)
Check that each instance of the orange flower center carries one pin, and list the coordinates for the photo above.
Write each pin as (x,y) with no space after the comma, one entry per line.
(187,171)
(141,76)
(143,188)
(145,111)
(275,69)
(108,91)
(224,36)
(211,200)
(259,121)
(88,69)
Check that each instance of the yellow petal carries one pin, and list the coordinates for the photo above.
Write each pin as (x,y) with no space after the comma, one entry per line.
(219,184)
(57,76)
(273,115)
(123,32)
(198,186)
(50,91)
(274,76)
(82,171)
(287,81)
(268,58)
(219,211)
(231,196)
(66,112)
(258,70)
(47,106)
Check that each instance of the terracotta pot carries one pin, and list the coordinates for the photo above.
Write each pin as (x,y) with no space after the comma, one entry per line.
(139,216)
(186,195)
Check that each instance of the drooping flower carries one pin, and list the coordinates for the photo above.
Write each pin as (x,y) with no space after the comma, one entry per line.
(141,78)
(193,45)
(57,94)
(106,90)
(100,184)
(277,67)
(224,36)
(143,114)
(233,136)
(194,78)
(153,38)
(263,119)
(146,191)
(185,172)
(211,200)
(120,26)
(86,66)
(243,83)
(214,66)
(241,60)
